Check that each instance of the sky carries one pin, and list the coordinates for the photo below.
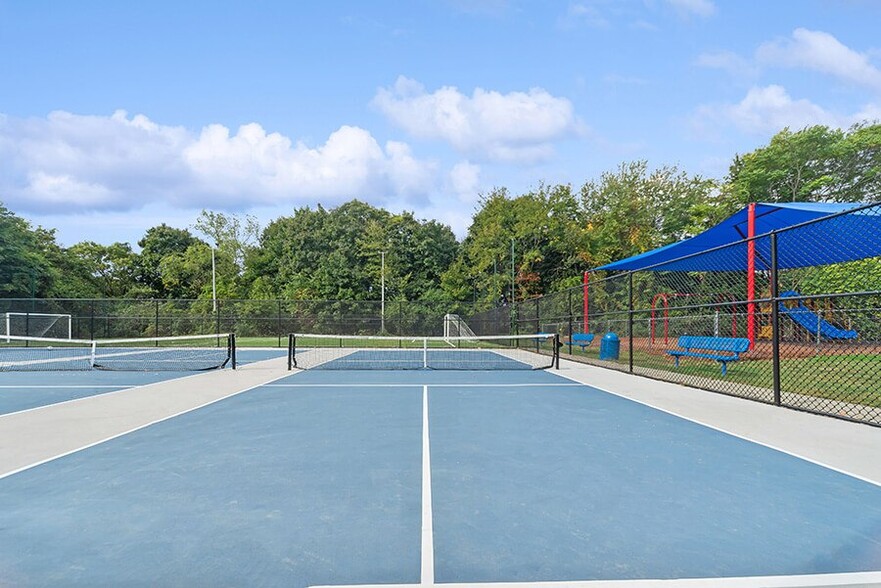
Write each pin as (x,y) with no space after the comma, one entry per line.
(119,116)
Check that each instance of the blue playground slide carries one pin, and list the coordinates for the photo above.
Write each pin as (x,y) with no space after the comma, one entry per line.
(809,320)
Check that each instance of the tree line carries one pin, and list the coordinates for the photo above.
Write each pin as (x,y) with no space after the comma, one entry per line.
(518,246)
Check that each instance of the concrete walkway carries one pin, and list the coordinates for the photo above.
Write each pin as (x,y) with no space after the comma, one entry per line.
(848,447)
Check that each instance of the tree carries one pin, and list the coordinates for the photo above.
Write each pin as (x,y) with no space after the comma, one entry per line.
(111,269)
(547,232)
(229,232)
(25,270)
(157,243)
(188,274)
(633,210)
(336,255)
(815,164)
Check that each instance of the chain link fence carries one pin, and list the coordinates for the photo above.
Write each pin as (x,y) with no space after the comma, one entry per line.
(259,322)
(811,333)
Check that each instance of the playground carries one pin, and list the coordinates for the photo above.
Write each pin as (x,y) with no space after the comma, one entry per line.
(779,303)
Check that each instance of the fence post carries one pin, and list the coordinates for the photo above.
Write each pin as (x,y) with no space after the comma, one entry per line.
(775,320)
(537,315)
(569,293)
(630,321)
(279,323)
(156,319)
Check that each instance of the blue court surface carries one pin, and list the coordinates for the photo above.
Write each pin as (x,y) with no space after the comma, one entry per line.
(331,478)
(26,390)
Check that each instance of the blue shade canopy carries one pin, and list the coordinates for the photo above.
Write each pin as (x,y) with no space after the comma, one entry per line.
(846,237)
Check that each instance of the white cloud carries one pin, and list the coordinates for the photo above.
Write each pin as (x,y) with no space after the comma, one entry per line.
(119,162)
(822,52)
(514,127)
(465,181)
(766,110)
(702,8)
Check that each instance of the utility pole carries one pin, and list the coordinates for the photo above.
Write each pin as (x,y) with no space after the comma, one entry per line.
(213,280)
(382,279)
(512,271)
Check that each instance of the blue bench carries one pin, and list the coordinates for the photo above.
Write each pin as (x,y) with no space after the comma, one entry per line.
(583,340)
(721,349)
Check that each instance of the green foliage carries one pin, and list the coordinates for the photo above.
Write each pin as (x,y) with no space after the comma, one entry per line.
(558,234)
(634,210)
(25,265)
(815,164)
(337,255)
(109,269)
(157,243)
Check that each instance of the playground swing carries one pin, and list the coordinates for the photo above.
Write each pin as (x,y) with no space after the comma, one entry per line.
(664,298)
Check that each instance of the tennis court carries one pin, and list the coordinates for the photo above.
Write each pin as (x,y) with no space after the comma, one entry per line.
(261,476)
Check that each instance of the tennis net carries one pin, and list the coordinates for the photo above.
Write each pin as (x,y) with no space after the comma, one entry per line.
(345,352)
(192,353)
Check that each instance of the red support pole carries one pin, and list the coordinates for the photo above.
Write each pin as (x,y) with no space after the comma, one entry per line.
(751,276)
(586,297)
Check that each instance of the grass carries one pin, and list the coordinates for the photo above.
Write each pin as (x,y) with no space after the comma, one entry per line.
(845,378)
(261,341)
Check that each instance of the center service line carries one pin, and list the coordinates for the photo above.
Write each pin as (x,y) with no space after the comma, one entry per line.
(427,533)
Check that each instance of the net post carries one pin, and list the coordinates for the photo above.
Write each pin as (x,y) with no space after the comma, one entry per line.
(425,353)
(92,353)
(292,362)
(232,349)
(557,346)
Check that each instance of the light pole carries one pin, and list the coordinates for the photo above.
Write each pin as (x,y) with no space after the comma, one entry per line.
(213,280)
(512,272)
(382,280)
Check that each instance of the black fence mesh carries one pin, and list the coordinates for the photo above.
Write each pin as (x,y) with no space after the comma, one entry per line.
(263,322)
(812,331)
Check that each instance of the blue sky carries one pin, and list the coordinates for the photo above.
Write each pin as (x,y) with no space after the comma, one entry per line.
(117,116)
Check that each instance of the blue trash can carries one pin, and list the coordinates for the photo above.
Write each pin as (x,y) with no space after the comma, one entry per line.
(610,346)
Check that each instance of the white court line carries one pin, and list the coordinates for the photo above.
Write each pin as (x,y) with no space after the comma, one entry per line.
(132,430)
(416,385)
(726,431)
(31,386)
(85,398)
(427,577)
(853,579)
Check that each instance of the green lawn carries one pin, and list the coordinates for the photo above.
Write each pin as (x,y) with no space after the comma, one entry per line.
(847,378)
